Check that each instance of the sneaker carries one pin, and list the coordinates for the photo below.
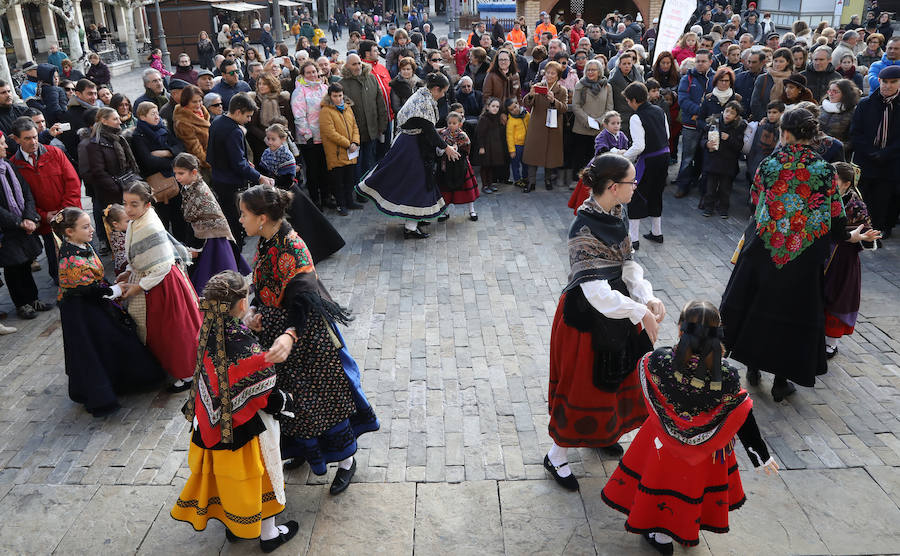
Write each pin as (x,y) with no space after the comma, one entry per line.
(39,305)
(4,330)
(26,312)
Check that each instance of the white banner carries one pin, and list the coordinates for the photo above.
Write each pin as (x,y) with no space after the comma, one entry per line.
(675,15)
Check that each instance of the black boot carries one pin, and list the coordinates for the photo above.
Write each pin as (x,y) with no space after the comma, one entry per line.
(752,376)
(782,388)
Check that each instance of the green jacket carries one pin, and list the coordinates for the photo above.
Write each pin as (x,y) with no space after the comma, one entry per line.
(369,106)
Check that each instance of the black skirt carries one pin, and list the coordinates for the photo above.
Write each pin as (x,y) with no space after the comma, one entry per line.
(103,354)
(317,233)
(774,318)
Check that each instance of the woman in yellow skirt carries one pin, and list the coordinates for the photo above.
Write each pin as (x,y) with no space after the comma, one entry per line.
(234,455)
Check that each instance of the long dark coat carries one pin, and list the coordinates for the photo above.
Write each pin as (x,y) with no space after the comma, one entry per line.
(16,246)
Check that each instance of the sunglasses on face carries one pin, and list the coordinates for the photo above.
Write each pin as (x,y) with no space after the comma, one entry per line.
(232,72)
(216,105)
(435,60)
(70,89)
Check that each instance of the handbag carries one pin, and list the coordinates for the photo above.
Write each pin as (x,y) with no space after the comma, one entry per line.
(125,179)
(163,188)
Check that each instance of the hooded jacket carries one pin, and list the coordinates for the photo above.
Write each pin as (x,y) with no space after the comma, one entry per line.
(53,97)
(371,111)
(339,131)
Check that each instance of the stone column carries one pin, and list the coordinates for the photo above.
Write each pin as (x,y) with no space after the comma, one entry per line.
(19,34)
(121,23)
(49,24)
(99,13)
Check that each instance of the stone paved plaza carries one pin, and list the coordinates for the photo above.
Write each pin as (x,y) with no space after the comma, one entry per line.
(452,334)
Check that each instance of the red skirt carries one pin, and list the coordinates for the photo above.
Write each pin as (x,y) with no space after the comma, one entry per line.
(581,193)
(835,327)
(659,492)
(173,323)
(467,194)
(580,413)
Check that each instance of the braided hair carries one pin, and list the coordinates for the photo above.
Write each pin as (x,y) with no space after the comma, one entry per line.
(701,338)
(228,287)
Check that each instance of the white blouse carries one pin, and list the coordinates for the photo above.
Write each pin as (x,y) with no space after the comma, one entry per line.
(613,304)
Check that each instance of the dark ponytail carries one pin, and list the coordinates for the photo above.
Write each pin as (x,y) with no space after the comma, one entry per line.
(268,200)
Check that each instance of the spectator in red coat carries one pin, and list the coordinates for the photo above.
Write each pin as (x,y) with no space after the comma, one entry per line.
(577,32)
(53,182)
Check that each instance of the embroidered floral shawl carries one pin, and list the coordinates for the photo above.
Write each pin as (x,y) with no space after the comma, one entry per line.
(280,259)
(78,267)
(796,198)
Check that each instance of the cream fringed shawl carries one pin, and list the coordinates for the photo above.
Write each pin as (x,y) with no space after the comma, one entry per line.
(152,252)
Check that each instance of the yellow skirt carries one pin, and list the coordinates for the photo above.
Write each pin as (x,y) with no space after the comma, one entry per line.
(231,486)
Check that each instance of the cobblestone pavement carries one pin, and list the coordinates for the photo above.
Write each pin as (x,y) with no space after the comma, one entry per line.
(452,334)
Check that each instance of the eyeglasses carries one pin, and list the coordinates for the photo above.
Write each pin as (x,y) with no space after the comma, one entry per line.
(633,183)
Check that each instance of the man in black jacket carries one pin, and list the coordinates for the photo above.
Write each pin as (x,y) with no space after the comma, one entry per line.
(84,99)
(9,112)
(227,155)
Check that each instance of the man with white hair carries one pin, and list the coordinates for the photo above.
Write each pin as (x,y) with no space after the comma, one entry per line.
(847,45)
(266,40)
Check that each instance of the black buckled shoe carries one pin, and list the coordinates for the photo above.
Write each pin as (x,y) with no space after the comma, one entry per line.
(654,238)
(342,479)
(568,483)
(282,538)
(661,547)
(414,234)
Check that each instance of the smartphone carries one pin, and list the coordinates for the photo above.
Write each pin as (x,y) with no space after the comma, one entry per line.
(65,126)
(540,89)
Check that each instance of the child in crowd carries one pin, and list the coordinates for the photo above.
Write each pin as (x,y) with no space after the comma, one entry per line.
(155,59)
(491,144)
(766,137)
(611,139)
(462,56)
(516,128)
(842,269)
(103,355)
(457,179)
(202,211)
(234,455)
(160,298)
(720,162)
(277,160)
(116,223)
(655,96)
(680,473)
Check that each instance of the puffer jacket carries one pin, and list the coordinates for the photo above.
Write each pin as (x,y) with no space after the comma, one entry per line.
(339,130)
(306,104)
(371,110)
(836,124)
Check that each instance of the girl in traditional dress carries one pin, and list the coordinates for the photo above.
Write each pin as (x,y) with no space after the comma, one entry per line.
(680,473)
(611,139)
(456,178)
(595,395)
(202,211)
(773,306)
(236,474)
(160,298)
(842,270)
(294,314)
(103,355)
(413,154)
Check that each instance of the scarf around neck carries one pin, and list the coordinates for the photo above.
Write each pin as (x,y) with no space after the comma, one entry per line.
(594,86)
(270,109)
(832,107)
(598,243)
(123,152)
(723,96)
(881,137)
(158,133)
(12,189)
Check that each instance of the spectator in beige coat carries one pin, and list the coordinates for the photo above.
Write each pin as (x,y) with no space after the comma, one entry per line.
(592,99)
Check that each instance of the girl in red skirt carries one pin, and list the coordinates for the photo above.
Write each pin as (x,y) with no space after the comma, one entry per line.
(680,474)
(456,177)
(160,297)
(606,319)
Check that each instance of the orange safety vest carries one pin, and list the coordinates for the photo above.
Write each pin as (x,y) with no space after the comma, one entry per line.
(517,37)
(543,28)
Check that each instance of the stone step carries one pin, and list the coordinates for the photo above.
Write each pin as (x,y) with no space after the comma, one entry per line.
(120,67)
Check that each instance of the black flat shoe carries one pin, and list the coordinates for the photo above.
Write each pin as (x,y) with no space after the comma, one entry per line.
(473,217)
(654,238)
(636,245)
(568,483)
(443,218)
(174,388)
(662,548)
(830,352)
(752,376)
(293,463)
(342,479)
(99,412)
(615,450)
(414,234)
(424,223)
(781,391)
(272,544)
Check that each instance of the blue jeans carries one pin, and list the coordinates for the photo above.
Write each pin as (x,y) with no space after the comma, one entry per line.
(519,168)
(366,159)
(690,142)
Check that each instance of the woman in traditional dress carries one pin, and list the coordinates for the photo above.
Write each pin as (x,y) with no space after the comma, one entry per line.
(772,308)
(294,313)
(160,298)
(202,211)
(595,395)
(843,278)
(680,473)
(103,355)
(236,474)
(416,197)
